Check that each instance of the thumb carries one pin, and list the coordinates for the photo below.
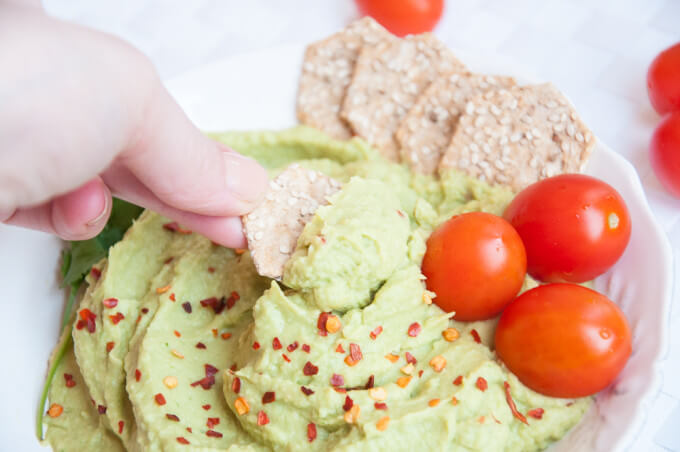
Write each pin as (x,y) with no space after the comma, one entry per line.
(185,169)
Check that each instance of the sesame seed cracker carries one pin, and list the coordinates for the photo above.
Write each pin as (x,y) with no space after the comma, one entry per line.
(427,128)
(272,229)
(326,72)
(518,136)
(388,78)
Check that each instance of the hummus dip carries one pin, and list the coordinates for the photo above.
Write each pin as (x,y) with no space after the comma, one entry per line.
(180,345)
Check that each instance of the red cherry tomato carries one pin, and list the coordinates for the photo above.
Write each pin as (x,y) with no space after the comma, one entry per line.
(403,17)
(563,340)
(476,264)
(665,153)
(663,80)
(574,227)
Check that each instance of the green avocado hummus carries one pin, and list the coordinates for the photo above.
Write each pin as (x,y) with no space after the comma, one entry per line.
(180,345)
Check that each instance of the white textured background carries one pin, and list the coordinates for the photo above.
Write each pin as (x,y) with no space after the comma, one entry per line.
(597,52)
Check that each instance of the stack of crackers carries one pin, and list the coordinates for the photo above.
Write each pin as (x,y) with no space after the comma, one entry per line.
(414,101)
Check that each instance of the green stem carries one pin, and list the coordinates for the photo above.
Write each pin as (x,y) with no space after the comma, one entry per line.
(48,383)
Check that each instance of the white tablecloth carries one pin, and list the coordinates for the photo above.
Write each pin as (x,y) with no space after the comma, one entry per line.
(597,52)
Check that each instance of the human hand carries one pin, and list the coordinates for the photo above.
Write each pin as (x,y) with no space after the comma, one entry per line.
(84,116)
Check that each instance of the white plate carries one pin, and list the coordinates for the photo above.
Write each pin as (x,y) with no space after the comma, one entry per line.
(257,91)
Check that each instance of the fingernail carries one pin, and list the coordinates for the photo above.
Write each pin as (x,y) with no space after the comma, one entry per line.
(104,212)
(246,179)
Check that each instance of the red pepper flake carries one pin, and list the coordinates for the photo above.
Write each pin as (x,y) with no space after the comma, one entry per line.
(168,260)
(69,380)
(87,319)
(475,336)
(210,370)
(410,358)
(268,397)
(355,352)
(211,269)
(306,391)
(101,409)
(216,305)
(401,214)
(309,369)
(481,384)
(236,385)
(458,381)
(349,403)
(276,344)
(569,404)
(376,332)
(495,418)
(370,383)
(175,227)
(190,430)
(201,345)
(121,425)
(262,418)
(420,373)
(212,422)
(206,382)
(177,333)
(206,407)
(285,357)
(292,347)
(311,431)
(233,298)
(536,413)
(256,345)
(187,307)
(306,348)
(116,318)
(109,346)
(414,329)
(321,323)
(138,375)
(110,302)
(172,417)
(159,399)
(96,273)
(340,390)
(172,297)
(339,349)
(145,310)
(380,405)
(511,403)
(182,440)
(337,380)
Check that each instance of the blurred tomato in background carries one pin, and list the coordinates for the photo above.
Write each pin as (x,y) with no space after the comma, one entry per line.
(403,17)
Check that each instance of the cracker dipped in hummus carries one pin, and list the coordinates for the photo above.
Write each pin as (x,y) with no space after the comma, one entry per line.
(332,344)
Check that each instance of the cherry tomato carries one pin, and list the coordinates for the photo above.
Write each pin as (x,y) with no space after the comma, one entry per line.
(563,340)
(665,153)
(476,264)
(403,17)
(663,80)
(574,227)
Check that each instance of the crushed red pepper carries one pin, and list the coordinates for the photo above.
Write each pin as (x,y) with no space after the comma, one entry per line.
(211,269)
(172,297)
(70,382)
(511,403)
(311,431)
(138,375)
(268,397)
(380,405)
(216,304)
(145,310)
(262,418)
(177,333)
(206,407)
(458,381)
(187,307)
(349,403)
(212,422)
(306,391)
(309,369)
(109,346)
(370,383)
(475,336)
(233,298)
(87,320)
(286,358)
(226,336)
(276,344)
(172,417)
(376,332)
(101,409)
(159,398)
(321,323)
(292,347)
(201,345)
(175,227)
(306,348)
(208,381)
(481,384)
(116,318)
(339,349)
(256,345)
(236,385)
(96,273)
(121,425)
(355,352)
(337,380)
(182,440)
(414,329)
(410,358)
(110,302)
(536,413)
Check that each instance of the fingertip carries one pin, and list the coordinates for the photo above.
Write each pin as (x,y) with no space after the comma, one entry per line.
(82,213)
